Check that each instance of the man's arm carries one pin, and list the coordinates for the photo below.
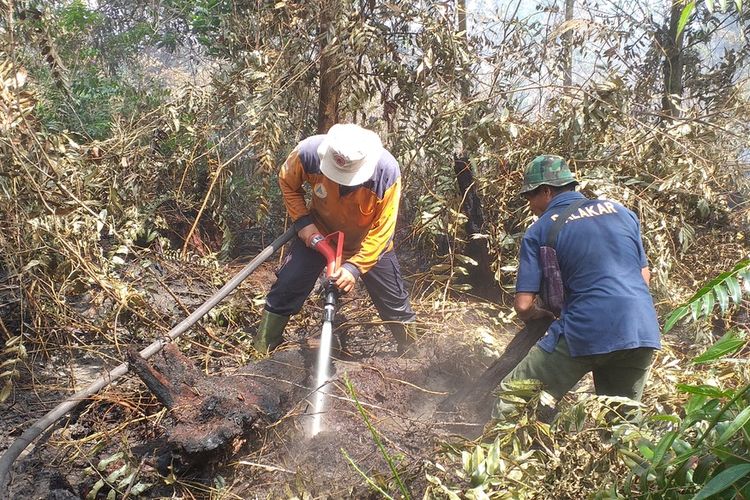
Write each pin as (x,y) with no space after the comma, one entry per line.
(646,273)
(528,281)
(527,308)
(291,178)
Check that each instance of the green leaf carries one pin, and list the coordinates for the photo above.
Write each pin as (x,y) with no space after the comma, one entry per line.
(672,419)
(738,3)
(722,297)
(720,288)
(738,423)
(723,4)
(676,316)
(661,449)
(708,303)
(745,275)
(710,6)
(140,488)
(695,310)
(702,390)
(686,11)
(723,481)
(682,447)
(727,344)
(105,462)
(734,288)
(646,448)
(703,467)
(680,475)
(95,489)
(493,459)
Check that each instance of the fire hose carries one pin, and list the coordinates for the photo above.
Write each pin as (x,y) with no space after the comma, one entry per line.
(330,294)
(23,441)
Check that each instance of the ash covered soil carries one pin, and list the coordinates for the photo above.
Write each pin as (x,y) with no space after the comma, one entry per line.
(400,396)
(123,429)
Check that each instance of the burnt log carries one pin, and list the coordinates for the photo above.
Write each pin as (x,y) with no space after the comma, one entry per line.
(211,414)
(479,392)
(480,275)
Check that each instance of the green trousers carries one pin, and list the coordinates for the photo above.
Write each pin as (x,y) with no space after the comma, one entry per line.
(619,373)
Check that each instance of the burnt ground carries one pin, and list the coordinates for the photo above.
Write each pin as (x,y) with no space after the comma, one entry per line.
(118,439)
(399,394)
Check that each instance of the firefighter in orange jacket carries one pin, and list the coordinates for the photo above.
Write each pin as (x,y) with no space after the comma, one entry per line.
(355,186)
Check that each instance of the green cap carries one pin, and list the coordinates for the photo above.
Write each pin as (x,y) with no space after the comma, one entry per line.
(546,169)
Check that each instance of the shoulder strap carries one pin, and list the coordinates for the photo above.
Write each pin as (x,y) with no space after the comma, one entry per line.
(558,224)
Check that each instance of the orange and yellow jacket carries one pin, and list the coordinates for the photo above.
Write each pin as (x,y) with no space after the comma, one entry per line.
(366,213)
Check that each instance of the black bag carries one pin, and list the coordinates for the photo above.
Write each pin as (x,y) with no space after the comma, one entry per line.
(552,292)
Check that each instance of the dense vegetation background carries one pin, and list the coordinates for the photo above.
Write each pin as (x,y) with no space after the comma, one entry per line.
(137,130)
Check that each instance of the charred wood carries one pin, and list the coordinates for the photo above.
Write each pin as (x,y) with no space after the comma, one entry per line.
(481,276)
(212,414)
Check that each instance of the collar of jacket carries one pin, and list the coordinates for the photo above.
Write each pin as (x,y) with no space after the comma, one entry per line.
(563,199)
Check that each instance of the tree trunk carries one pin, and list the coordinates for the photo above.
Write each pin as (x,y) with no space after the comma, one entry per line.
(568,46)
(481,276)
(463,82)
(673,63)
(330,83)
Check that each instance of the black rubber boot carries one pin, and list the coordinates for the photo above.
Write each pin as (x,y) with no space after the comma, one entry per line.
(270,332)
(405,334)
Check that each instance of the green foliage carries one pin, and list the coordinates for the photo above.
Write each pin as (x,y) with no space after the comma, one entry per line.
(685,15)
(430,91)
(88,209)
(728,344)
(703,451)
(117,474)
(710,5)
(104,152)
(722,290)
(84,88)
(95,106)
(77,17)
(522,456)
(207,23)
(700,451)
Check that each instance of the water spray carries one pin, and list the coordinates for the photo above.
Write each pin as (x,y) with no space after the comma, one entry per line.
(330,292)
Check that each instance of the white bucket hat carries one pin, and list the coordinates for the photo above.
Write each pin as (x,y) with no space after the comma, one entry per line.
(349,153)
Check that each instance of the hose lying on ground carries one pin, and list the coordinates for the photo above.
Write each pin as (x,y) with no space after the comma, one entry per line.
(20,444)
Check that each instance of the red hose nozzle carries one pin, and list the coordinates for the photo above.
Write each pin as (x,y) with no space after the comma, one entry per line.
(322,244)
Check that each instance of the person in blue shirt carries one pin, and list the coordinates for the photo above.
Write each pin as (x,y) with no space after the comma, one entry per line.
(608,324)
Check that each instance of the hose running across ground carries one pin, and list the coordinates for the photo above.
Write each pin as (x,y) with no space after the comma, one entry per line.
(20,444)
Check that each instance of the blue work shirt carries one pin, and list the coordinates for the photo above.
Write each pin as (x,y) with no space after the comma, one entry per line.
(608,306)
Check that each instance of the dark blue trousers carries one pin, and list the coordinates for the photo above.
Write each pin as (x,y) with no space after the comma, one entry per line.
(303,265)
